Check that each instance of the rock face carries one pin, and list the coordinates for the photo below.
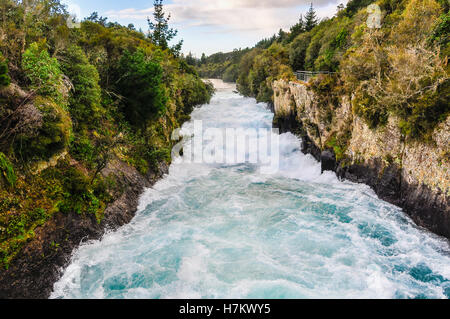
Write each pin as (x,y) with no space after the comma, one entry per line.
(328,161)
(410,174)
(39,265)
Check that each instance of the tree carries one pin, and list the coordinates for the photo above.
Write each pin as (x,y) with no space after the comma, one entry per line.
(43,71)
(281,35)
(4,77)
(159,32)
(297,29)
(190,59)
(94,17)
(311,19)
(140,85)
(85,100)
(297,52)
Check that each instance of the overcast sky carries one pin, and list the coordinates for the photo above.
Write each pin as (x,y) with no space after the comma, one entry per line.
(210,25)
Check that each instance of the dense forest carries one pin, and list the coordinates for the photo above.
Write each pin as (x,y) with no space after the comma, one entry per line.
(73,98)
(399,69)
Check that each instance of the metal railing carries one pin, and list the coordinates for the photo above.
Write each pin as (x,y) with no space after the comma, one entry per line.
(305,76)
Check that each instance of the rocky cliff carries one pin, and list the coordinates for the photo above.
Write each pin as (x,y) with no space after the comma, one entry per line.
(40,263)
(414,175)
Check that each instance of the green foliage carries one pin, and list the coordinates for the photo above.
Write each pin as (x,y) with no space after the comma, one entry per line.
(445,5)
(43,71)
(366,106)
(398,72)
(426,112)
(5,80)
(50,138)
(311,19)
(83,149)
(105,77)
(297,29)
(297,52)
(353,6)
(231,73)
(245,65)
(140,83)
(193,92)
(7,170)
(441,34)
(85,101)
(221,65)
(259,68)
(338,142)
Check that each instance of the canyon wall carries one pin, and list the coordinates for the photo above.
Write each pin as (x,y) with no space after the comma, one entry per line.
(414,175)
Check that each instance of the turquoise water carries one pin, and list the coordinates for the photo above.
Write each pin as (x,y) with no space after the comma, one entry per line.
(228,231)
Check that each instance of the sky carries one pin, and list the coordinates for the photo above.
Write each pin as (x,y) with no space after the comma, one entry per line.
(210,26)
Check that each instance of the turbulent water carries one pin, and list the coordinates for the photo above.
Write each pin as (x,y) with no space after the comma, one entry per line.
(229,231)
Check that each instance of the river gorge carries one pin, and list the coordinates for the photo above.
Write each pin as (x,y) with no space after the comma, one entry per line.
(228,231)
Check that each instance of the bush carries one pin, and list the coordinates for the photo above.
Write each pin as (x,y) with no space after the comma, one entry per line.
(426,112)
(139,81)
(85,101)
(43,72)
(441,34)
(193,92)
(231,73)
(418,20)
(7,170)
(49,139)
(368,108)
(297,52)
(5,80)
(260,68)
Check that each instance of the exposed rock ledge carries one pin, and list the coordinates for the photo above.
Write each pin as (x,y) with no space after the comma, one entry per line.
(414,176)
(39,265)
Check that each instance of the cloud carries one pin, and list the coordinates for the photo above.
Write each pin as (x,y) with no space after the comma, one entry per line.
(234,15)
(73,9)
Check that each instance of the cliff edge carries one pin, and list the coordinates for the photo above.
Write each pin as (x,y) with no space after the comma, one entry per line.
(414,175)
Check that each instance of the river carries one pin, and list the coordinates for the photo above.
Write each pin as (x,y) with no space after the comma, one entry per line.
(218,230)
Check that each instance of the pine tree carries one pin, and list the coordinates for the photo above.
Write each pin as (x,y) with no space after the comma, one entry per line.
(281,35)
(297,29)
(159,31)
(311,19)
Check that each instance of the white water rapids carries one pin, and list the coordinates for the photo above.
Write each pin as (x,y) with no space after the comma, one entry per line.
(228,231)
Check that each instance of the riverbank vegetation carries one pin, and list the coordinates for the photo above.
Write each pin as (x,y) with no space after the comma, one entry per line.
(75,98)
(400,69)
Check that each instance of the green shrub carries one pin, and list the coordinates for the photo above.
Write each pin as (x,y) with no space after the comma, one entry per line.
(426,112)
(43,71)
(297,52)
(5,80)
(259,68)
(231,73)
(441,34)
(82,149)
(51,138)
(78,196)
(193,92)
(7,170)
(365,106)
(85,100)
(139,81)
